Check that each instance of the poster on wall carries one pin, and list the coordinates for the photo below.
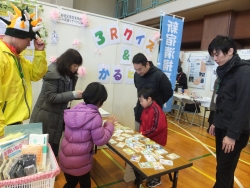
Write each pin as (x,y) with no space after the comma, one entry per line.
(117,74)
(197,73)
(129,75)
(214,76)
(126,54)
(104,73)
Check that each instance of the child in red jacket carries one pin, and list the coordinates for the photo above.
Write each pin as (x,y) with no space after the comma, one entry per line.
(153,123)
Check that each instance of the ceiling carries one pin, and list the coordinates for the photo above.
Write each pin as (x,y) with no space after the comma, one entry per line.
(199,12)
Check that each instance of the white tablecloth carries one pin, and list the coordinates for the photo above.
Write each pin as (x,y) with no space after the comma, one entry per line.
(205,101)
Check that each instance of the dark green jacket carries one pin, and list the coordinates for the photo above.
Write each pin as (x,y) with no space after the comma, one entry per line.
(52,102)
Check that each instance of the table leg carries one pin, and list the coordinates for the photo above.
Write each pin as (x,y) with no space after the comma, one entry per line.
(138,179)
(170,177)
(204,116)
(175,179)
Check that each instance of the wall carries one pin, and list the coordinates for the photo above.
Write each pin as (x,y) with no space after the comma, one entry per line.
(65,3)
(97,6)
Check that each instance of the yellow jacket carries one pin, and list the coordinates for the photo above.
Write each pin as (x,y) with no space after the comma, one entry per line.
(15,92)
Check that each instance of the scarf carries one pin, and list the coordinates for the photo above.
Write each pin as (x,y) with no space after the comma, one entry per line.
(221,70)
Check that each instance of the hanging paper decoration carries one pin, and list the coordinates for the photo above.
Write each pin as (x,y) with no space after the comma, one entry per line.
(82,72)
(52,59)
(157,35)
(149,58)
(84,20)
(54,15)
(76,44)
(54,37)
(98,51)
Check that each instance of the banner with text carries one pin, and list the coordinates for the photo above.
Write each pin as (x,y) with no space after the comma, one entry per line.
(171,35)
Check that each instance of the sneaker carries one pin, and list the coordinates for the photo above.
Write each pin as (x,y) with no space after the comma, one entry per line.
(154,182)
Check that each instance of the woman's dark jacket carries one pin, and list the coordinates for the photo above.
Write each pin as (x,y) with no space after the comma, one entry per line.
(52,102)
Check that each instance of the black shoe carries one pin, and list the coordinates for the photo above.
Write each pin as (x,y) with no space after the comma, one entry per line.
(154,182)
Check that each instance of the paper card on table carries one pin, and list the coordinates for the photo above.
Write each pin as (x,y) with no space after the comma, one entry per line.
(138,148)
(145,139)
(161,151)
(139,136)
(149,146)
(129,131)
(128,151)
(158,166)
(112,141)
(150,158)
(173,156)
(119,131)
(120,138)
(157,156)
(157,146)
(149,142)
(166,162)
(135,158)
(126,135)
(120,144)
(146,165)
(139,144)
(146,152)
(116,134)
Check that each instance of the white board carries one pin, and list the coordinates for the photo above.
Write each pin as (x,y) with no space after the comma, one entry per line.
(122,96)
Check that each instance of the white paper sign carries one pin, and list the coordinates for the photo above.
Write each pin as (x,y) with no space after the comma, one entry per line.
(127,34)
(104,73)
(139,39)
(126,55)
(117,74)
(70,18)
(100,37)
(129,75)
(150,45)
(113,33)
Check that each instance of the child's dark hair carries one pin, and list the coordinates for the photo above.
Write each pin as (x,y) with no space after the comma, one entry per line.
(95,93)
(222,43)
(146,93)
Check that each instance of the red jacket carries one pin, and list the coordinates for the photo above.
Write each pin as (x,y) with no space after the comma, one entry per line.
(154,124)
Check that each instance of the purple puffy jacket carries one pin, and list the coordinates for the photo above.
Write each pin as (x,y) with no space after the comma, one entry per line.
(83,129)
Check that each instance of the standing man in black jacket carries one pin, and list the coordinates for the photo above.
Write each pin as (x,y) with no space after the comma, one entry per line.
(231,117)
(149,76)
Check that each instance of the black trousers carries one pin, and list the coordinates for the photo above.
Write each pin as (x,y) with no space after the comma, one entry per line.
(227,162)
(72,181)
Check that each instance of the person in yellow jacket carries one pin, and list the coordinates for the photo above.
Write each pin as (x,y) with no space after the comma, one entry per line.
(16,72)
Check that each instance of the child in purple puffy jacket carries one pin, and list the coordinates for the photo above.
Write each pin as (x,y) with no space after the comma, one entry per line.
(83,129)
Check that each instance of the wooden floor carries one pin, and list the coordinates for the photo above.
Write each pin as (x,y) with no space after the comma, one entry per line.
(192,143)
